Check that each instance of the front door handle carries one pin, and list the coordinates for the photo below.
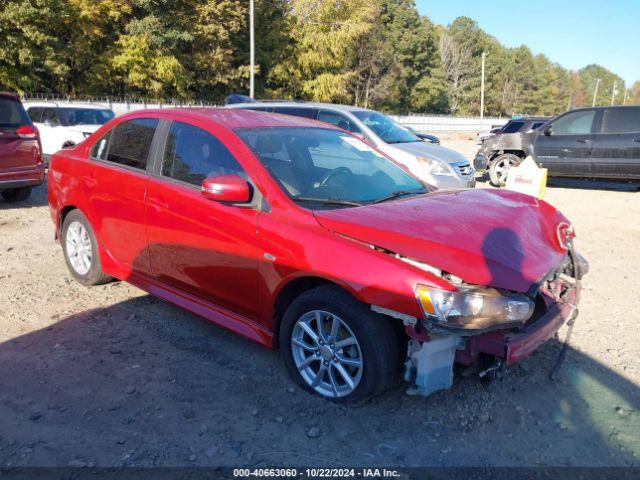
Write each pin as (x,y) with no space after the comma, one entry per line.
(636,140)
(584,140)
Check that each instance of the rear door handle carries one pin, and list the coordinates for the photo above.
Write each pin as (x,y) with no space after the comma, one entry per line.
(636,140)
(584,140)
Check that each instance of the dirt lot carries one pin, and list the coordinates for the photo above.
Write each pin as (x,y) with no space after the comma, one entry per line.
(110,376)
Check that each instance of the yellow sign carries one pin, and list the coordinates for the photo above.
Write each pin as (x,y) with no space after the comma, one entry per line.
(528,178)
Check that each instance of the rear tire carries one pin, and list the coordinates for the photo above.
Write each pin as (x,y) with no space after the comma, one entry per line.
(81,250)
(500,166)
(16,194)
(362,337)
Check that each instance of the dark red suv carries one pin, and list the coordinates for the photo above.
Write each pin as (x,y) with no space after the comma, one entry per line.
(298,234)
(21,166)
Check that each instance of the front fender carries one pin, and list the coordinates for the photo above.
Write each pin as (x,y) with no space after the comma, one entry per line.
(308,250)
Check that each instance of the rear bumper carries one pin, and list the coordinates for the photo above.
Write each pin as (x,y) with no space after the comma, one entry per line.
(22,178)
(515,346)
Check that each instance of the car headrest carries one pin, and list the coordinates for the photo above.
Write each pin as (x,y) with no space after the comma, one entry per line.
(268,143)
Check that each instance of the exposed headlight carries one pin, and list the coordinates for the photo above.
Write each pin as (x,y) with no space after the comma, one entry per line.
(433,167)
(473,308)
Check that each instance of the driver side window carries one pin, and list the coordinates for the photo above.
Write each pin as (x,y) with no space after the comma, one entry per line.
(576,123)
(192,154)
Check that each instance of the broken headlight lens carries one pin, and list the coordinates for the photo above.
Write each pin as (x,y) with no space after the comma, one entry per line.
(473,308)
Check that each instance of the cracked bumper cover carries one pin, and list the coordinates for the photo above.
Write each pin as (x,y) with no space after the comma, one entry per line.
(515,346)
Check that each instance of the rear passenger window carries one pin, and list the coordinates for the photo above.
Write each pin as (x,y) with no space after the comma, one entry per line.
(131,141)
(99,149)
(35,114)
(621,120)
(50,117)
(311,113)
(338,120)
(191,155)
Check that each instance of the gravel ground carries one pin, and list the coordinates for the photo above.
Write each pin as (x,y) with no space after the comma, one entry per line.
(110,376)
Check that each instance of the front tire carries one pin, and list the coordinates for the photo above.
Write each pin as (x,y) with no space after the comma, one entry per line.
(335,347)
(81,250)
(16,194)
(500,167)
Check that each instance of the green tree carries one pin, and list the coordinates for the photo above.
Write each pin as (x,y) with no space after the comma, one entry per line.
(633,95)
(325,34)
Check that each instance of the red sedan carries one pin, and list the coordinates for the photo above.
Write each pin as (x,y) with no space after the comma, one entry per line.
(298,234)
(21,166)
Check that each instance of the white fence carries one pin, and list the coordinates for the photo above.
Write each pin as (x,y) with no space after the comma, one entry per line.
(419,122)
(448,123)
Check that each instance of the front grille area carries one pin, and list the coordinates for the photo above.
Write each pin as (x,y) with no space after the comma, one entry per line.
(464,168)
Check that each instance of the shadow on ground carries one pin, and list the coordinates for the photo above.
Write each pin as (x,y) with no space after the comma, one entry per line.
(144,383)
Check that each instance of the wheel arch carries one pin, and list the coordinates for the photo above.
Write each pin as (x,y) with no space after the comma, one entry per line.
(498,153)
(295,287)
(64,211)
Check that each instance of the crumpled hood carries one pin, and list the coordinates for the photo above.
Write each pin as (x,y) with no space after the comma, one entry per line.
(488,237)
(436,152)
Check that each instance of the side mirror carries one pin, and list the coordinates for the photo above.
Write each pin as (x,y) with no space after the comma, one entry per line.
(226,188)
(547,130)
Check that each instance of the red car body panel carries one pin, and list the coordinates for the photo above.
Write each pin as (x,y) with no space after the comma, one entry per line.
(20,157)
(229,263)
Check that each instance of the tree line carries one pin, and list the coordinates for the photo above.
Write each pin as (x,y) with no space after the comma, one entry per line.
(377,53)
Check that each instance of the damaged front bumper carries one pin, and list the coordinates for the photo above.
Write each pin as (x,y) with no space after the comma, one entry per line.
(430,356)
(513,346)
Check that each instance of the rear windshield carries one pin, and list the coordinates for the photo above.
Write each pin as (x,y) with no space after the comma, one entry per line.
(12,114)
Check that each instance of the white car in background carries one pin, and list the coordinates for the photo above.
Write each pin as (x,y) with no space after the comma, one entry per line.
(435,165)
(62,124)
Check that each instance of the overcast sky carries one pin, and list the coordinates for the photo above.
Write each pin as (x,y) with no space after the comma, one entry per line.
(573,33)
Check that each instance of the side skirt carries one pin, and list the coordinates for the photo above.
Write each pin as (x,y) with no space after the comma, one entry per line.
(207,310)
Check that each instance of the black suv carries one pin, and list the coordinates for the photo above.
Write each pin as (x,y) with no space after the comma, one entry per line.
(598,142)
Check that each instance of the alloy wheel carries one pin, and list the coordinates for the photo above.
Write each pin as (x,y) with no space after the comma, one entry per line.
(502,168)
(78,246)
(327,354)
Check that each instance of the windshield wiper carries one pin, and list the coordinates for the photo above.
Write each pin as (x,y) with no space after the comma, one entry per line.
(332,201)
(400,193)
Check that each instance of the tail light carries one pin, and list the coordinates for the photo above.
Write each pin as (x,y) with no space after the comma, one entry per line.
(27,131)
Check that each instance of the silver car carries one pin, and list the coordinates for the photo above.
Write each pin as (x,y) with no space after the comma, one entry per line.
(435,165)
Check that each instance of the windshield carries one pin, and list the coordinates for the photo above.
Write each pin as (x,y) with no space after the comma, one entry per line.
(328,167)
(388,130)
(84,116)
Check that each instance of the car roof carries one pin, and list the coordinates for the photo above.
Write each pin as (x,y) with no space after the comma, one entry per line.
(329,106)
(64,105)
(530,119)
(236,118)
(9,96)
